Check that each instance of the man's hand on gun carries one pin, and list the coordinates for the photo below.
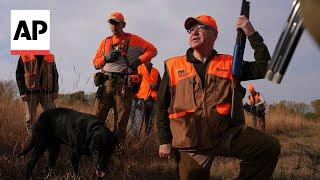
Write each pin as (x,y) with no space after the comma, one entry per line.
(165,151)
(133,66)
(135,63)
(244,24)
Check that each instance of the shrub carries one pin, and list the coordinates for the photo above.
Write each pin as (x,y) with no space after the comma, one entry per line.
(311,116)
(77,97)
(316,106)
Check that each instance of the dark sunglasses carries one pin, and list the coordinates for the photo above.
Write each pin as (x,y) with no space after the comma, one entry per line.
(198,27)
(113,22)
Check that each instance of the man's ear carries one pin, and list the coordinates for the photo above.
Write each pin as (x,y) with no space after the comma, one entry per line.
(215,35)
(123,25)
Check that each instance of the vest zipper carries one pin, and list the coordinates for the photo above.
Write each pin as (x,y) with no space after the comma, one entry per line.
(203,89)
(205,102)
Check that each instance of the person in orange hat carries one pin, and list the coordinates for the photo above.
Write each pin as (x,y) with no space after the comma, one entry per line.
(37,80)
(117,59)
(143,103)
(194,106)
(256,106)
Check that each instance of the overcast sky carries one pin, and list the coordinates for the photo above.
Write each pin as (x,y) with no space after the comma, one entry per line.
(77,27)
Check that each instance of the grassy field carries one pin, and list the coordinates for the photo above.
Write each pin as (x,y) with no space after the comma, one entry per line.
(141,157)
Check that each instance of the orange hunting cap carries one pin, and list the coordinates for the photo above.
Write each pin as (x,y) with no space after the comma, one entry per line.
(202,19)
(116,16)
(250,88)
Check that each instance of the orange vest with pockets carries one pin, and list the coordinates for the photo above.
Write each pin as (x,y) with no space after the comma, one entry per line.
(134,47)
(38,77)
(194,109)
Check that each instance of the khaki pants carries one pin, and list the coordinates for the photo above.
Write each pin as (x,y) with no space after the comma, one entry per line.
(258,151)
(110,96)
(33,100)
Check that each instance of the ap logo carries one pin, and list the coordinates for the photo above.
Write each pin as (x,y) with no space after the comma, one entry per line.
(30,32)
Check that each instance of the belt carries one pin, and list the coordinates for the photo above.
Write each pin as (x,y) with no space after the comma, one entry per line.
(113,75)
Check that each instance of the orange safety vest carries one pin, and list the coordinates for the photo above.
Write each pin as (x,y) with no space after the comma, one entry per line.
(194,109)
(145,91)
(122,43)
(133,46)
(38,77)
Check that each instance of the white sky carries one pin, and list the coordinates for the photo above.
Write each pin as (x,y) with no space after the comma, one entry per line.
(77,27)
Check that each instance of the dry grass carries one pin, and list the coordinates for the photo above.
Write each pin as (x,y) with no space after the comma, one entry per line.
(280,121)
(141,157)
(140,160)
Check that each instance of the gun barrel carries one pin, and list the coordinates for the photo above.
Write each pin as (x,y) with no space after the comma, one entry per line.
(286,45)
(245,8)
(240,42)
(237,60)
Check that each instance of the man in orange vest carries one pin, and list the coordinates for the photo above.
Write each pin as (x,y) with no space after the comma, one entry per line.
(143,103)
(256,106)
(117,59)
(37,80)
(194,106)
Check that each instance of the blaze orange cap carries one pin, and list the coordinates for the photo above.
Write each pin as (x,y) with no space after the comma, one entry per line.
(202,19)
(250,88)
(116,16)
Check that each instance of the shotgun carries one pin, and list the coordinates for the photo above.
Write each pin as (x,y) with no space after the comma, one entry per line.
(238,59)
(286,45)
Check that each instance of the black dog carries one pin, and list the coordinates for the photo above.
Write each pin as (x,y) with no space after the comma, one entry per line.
(84,133)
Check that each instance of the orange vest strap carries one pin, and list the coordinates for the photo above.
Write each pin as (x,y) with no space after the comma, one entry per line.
(181,114)
(28,57)
(223,108)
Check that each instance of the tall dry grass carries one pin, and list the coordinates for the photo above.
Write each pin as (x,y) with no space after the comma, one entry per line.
(140,160)
(279,121)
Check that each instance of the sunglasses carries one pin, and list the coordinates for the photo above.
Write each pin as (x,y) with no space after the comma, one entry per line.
(113,22)
(198,28)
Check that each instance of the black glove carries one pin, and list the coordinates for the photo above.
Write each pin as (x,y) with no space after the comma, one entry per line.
(135,63)
(112,56)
